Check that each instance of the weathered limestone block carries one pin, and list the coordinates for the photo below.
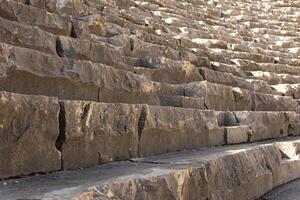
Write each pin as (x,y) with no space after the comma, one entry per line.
(217,55)
(161,38)
(226,119)
(291,79)
(197,60)
(268,102)
(77,80)
(237,134)
(294,127)
(72,7)
(225,78)
(26,36)
(239,172)
(215,93)
(279,68)
(243,99)
(174,129)
(292,90)
(48,75)
(143,49)
(97,25)
(81,30)
(217,96)
(182,101)
(97,132)
(212,43)
(284,89)
(166,70)
(116,86)
(88,50)
(221,67)
(265,125)
(245,174)
(28,133)
(261,86)
(33,16)
(49,5)
(270,77)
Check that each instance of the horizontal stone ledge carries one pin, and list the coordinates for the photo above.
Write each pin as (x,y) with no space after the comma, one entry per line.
(19,35)
(99,132)
(82,80)
(91,133)
(96,133)
(33,16)
(219,172)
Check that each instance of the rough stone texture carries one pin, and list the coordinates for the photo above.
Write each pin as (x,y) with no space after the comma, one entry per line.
(265,125)
(28,133)
(46,21)
(91,130)
(258,125)
(173,129)
(294,127)
(238,134)
(97,132)
(138,78)
(230,172)
(26,36)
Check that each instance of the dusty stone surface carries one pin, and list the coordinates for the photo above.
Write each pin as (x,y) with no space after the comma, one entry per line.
(28,133)
(232,172)
(289,191)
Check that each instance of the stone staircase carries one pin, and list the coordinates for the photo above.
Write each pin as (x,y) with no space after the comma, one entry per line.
(148,99)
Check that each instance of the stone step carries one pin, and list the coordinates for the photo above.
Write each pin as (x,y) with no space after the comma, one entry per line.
(228,68)
(247,65)
(274,79)
(81,80)
(96,82)
(49,5)
(231,172)
(234,81)
(85,133)
(221,97)
(18,34)
(288,90)
(82,56)
(165,70)
(95,129)
(183,102)
(53,23)
(257,125)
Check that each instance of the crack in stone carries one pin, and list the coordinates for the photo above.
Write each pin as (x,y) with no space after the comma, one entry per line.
(62,130)
(141,126)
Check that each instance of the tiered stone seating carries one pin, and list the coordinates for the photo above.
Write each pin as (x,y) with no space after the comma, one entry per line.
(84,83)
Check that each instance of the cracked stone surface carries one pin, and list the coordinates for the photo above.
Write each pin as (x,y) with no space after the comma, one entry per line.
(108,82)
